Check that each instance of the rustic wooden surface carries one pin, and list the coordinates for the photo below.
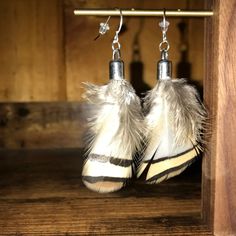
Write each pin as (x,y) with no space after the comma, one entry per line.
(31,45)
(219,178)
(41,194)
(196,44)
(225,178)
(42,125)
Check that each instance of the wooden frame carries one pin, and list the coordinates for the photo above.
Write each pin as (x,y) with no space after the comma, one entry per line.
(219,178)
(218,175)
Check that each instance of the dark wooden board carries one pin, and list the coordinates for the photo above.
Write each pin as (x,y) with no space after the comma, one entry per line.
(42,125)
(219,176)
(41,193)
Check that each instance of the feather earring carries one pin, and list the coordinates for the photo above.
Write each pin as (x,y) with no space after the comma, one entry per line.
(175,121)
(115,129)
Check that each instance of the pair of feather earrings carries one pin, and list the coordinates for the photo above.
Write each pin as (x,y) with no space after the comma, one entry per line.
(168,137)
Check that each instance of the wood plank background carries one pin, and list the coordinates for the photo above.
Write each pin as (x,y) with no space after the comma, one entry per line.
(47,52)
(31,45)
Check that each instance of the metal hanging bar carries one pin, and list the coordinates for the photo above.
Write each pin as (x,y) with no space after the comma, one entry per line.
(134,12)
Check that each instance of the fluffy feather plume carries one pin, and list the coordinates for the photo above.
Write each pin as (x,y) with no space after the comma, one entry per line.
(115,135)
(174,123)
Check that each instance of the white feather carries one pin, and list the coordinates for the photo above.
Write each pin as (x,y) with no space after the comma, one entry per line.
(174,122)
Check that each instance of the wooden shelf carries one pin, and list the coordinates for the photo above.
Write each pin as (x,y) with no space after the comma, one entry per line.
(41,193)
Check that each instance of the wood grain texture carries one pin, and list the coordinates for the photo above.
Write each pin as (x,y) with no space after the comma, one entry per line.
(196,44)
(210,93)
(42,125)
(41,193)
(220,90)
(32,55)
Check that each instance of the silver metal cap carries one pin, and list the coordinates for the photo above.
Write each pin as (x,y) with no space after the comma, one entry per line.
(116,69)
(164,67)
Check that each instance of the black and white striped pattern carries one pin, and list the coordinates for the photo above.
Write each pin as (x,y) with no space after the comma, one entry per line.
(106,174)
(156,171)
(174,123)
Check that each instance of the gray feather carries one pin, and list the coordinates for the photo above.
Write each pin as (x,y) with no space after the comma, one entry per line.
(116,132)
(119,94)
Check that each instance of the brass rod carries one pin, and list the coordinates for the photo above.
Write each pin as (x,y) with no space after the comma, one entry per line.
(133,12)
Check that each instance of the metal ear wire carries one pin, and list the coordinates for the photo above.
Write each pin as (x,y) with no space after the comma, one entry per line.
(104,27)
(164,65)
(164,45)
(121,22)
(164,15)
(115,44)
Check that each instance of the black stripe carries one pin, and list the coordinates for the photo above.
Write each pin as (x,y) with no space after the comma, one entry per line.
(145,171)
(113,160)
(120,162)
(171,157)
(166,172)
(96,179)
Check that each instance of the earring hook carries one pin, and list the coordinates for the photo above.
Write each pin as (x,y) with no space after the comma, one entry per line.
(121,21)
(104,27)
(164,16)
(164,45)
(115,44)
